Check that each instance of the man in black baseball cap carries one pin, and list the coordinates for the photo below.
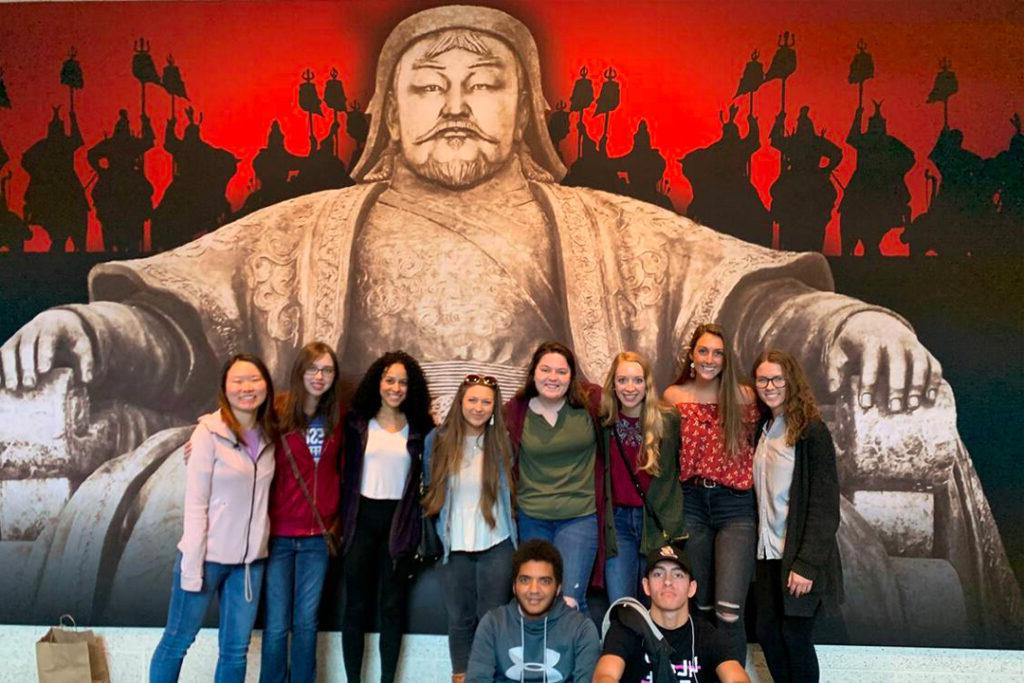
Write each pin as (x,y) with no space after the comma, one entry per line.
(664,645)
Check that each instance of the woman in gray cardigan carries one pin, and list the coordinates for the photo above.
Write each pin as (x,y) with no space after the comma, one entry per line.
(798,566)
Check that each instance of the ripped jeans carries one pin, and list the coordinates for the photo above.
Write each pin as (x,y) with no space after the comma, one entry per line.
(722,523)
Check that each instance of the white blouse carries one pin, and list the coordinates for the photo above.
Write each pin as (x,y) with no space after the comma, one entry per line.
(468,530)
(773,476)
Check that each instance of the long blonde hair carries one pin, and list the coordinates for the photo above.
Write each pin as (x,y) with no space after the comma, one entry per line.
(446,459)
(651,412)
(730,392)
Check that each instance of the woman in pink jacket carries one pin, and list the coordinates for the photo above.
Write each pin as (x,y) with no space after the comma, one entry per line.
(230,463)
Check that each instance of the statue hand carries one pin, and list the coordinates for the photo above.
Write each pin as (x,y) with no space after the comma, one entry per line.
(892,365)
(54,338)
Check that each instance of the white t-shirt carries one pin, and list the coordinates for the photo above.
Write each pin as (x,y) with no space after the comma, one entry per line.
(386,463)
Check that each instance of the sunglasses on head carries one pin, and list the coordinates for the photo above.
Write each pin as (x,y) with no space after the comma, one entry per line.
(486,380)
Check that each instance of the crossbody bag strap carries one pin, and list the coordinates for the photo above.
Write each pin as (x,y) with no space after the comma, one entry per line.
(636,484)
(302,486)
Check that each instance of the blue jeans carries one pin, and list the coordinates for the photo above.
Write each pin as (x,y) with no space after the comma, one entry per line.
(623,572)
(295,575)
(576,540)
(722,524)
(185,617)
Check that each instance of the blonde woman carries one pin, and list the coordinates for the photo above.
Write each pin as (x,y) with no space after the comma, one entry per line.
(641,437)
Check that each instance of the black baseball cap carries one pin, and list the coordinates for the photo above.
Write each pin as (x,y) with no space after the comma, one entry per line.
(669,553)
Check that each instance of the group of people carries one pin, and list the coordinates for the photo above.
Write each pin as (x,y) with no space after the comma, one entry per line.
(686,495)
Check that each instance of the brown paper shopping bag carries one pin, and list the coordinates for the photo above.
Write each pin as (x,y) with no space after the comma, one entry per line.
(69,655)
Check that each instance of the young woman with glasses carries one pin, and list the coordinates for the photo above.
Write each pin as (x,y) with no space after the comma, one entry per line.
(718,417)
(798,564)
(383,444)
(641,437)
(467,464)
(303,509)
(229,466)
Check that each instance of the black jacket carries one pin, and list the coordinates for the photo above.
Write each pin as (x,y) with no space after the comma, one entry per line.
(811,549)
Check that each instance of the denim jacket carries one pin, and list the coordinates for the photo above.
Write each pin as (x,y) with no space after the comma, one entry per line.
(504,501)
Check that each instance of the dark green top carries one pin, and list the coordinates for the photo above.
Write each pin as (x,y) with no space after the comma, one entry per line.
(556,465)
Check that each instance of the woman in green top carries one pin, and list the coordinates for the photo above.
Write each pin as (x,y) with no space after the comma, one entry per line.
(641,437)
(554,426)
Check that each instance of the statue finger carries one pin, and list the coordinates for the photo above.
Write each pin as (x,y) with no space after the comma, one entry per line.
(934,379)
(27,356)
(919,366)
(868,376)
(897,380)
(8,366)
(46,346)
(85,364)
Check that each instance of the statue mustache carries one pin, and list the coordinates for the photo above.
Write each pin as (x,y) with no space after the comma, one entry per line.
(461,124)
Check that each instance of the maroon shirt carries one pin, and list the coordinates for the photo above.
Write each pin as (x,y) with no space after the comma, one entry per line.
(631,435)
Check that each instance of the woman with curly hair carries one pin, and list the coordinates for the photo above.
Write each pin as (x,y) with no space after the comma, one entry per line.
(555,430)
(718,416)
(303,508)
(798,565)
(641,437)
(467,463)
(383,436)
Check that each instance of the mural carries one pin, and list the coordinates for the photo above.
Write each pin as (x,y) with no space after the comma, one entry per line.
(511,178)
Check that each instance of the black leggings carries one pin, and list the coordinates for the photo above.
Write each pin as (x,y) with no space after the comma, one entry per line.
(786,641)
(371,577)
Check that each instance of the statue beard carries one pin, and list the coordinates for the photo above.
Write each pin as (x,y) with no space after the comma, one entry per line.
(457,174)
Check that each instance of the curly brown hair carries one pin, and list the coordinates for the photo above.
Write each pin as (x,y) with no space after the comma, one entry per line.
(799,408)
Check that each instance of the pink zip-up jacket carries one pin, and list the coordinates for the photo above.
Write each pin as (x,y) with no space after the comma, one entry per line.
(226,496)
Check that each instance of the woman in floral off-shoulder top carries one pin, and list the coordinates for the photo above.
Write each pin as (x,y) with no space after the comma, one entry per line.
(717,415)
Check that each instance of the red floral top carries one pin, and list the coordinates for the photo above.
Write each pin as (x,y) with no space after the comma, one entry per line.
(703,453)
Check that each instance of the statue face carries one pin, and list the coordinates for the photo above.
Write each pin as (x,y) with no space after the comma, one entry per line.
(455,113)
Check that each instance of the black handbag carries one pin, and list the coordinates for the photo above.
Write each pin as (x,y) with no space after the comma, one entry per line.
(429,550)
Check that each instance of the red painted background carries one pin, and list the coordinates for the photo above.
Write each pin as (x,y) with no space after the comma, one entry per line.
(678,62)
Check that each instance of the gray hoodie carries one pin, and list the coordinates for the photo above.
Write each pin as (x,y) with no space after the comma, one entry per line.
(559,647)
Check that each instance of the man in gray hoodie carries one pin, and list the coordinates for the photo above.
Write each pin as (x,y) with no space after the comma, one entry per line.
(535,637)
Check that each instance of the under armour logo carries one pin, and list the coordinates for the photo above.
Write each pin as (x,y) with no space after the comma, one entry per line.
(519,668)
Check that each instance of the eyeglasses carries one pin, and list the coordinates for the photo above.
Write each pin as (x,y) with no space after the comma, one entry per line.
(486,380)
(315,370)
(779,382)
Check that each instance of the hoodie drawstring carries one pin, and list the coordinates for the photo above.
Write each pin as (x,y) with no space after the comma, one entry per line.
(544,650)
(248,584)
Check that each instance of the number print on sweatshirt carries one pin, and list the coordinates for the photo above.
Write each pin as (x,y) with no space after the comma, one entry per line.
(315,440)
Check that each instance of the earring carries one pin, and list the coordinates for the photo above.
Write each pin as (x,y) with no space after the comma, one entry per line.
(492,419)
(693,371)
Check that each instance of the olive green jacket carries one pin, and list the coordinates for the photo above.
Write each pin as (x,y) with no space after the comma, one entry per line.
(665,493)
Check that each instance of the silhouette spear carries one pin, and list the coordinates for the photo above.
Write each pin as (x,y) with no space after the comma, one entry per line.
(309,101)
(751,80)
(608,100)
(861,69)
(334,97)
(783,63)
(172,82)
(5,101)
(582,97)
(143,68)
(945,87)
(71,76)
